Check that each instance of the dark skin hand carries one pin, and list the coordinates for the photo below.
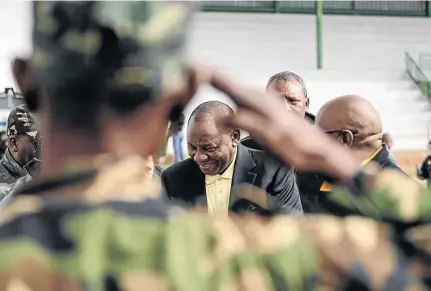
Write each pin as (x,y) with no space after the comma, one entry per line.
(308,149)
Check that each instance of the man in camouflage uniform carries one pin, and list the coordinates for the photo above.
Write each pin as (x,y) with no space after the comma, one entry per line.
(21,152)
(92,222)
(21,133)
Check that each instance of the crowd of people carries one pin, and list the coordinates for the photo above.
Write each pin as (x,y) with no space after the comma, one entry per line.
(304,203)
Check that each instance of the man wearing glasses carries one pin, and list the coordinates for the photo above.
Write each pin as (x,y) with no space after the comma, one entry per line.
(354,122)
(21,149)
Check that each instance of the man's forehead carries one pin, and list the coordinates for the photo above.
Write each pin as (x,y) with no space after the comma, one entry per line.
(204,132)
(291,87)
(206,124)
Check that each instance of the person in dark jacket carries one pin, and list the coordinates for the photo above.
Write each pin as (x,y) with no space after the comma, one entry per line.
(353,121)
(219,163)
(22,133)
(424,171)
(292,89)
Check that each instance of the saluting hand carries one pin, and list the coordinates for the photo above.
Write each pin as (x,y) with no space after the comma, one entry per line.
(285,133)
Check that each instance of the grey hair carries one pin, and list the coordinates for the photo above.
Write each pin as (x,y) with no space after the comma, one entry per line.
(288,76)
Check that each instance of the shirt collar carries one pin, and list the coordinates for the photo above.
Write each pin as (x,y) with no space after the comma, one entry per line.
(9,162)
(326,187)
(228,174)
(370,158)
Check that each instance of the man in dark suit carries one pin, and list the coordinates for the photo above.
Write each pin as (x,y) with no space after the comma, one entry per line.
(292,90)
(219,162)
(354,122)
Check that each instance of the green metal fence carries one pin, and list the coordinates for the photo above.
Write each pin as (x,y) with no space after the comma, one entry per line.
(418,76)
(407,8)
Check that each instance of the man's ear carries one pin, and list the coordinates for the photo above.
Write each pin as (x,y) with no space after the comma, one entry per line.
(13,145)
(347,137)
(307,103)
(236,134)
(26,83)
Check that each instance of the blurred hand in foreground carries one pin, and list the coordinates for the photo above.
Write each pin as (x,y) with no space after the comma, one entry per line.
(285,133)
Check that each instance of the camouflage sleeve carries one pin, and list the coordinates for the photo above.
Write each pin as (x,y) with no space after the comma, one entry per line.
(103,248)
(284,253)
(385,195)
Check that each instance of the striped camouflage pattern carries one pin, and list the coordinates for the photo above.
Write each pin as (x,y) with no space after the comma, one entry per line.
(386,194)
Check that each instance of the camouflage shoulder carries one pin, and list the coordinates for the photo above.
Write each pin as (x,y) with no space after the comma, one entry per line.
(126,249)
(385,195)
(286,253)
(419,238)
(358,252)
(241,252)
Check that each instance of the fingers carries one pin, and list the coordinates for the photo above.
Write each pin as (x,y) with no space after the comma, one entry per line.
(252,122)
(246,97)
(241,95)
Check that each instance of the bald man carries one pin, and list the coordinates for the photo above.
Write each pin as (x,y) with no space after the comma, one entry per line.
(218,163)
(353,121)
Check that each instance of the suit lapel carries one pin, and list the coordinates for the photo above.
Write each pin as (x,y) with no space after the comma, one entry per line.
(243,171)
(196,187)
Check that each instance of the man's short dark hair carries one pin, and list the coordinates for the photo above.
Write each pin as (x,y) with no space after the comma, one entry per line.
(211,108)
(288,76)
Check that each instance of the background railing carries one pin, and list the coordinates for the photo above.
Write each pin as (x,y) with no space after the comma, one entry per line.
(418,76)
(407,8)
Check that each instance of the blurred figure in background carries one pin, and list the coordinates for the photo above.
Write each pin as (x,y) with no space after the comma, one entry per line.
(22,144)
(387,140)
(3,142)
(177,138)
(423,172)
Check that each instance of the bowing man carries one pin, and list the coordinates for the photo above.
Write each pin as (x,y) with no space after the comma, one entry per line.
(218,162)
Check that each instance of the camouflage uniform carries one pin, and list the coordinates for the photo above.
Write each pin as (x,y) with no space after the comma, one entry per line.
(20,121)
(101,225)
(95,243)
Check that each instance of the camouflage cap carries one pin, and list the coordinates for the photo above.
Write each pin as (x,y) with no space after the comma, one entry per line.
(127,44)
(21,121)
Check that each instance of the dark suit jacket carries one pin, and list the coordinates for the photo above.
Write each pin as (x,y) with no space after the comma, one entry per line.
(185,182)
(316,200)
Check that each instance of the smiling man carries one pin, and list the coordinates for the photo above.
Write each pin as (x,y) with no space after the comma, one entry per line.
(219,162)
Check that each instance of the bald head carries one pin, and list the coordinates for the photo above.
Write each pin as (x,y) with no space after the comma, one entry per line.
(355,114)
